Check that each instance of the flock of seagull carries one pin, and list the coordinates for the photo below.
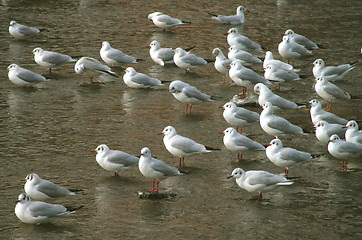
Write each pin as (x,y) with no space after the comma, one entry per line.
(329,127)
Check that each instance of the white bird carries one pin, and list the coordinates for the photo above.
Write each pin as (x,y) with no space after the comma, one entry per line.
(324,130)
(238,116)
(265,95)
(221,62)
(50,59)
(134,79)
(114,57)
(331,73)
(181,146)
(165,21)
(353,134)
(114,160)
(20,31)
(246,59)
(328,91)
(238,143)
(343,150)
(160,55)
(188,94)
(235,39)
(274,73)
(258,181)
(43,190)
(291,50)
(155,169)
(232,19)
(36,212)
(301,40)
(269,60)
(244,77)
(187,61)
(23,77)
(93,66)
(318,114)
(286,157)
(275,125)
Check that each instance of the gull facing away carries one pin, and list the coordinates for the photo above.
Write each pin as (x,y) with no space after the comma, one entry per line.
(221,62)
(238,143)
(286,157)
(114,57)
(238,116)
(343,150)
(232,19)
(23,77)
(246,58)
(331,73)
(301,40)
(291,50)
(235,39)
(269,60)
(19,31)
(50,59)
(114,160)
(161,55)
(155,169)
(43,190)
(93,67)
(353,135)
(258,181)
(134,79)
(165,21)
(36,212)
(275,125)
(318,114)
(324,131)
(274,73)
(181,146)
(187,61)
(188,94)
(328,91)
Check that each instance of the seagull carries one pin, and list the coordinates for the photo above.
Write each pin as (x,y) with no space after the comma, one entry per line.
(233,19)
(317,114)
(155,169)
(236,142)
(23,77)
(301,40)
(238,116)
(36,212)
(187,61)
(246,59)
(291,50)
(244,77)
(188,94)
(43,190)
(114,160)
(93,66)
(343,150)
(269,60)
(160,55)
(114,57)
(235,39)
(328,91)
(258,181)
(274,73)
(19,31)
(275,125)
(286,157)
(352,134)
(164,21)
(135,79)
(331,73)
(181,146)
(50,59)
(265,95)
(325,130)
(221,62)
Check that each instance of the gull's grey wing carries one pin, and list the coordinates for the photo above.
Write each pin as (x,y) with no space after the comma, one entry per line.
(41,209)
(162,167)
(29,76)
(193,92)
(52,190)
(119,157)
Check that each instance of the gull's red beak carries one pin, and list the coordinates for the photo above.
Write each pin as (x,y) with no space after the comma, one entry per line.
(24,180)
(222,107)
(161,133)
(230,176)
(268,144)
(222,132)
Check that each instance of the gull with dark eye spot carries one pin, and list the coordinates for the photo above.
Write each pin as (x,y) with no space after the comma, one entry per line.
(269,60)
(165,21)
(318,114)
(187,61)
(24,77)
(324,130)
(134,79)
(331,73)
(291,50)
(353,135)
(114,57)
(231,19)
(20,31)
(235,39)
(301,40)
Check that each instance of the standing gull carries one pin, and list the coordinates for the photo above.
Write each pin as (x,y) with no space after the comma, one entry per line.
(291,50)
(301,40)
(318,114)
(331,73)
(93,66)
(114,57)
(187,61)
(50,59)
(324,130)
(160,55)
(221,62)
(235,39)
(232,19)
(353,135)
(165,21)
